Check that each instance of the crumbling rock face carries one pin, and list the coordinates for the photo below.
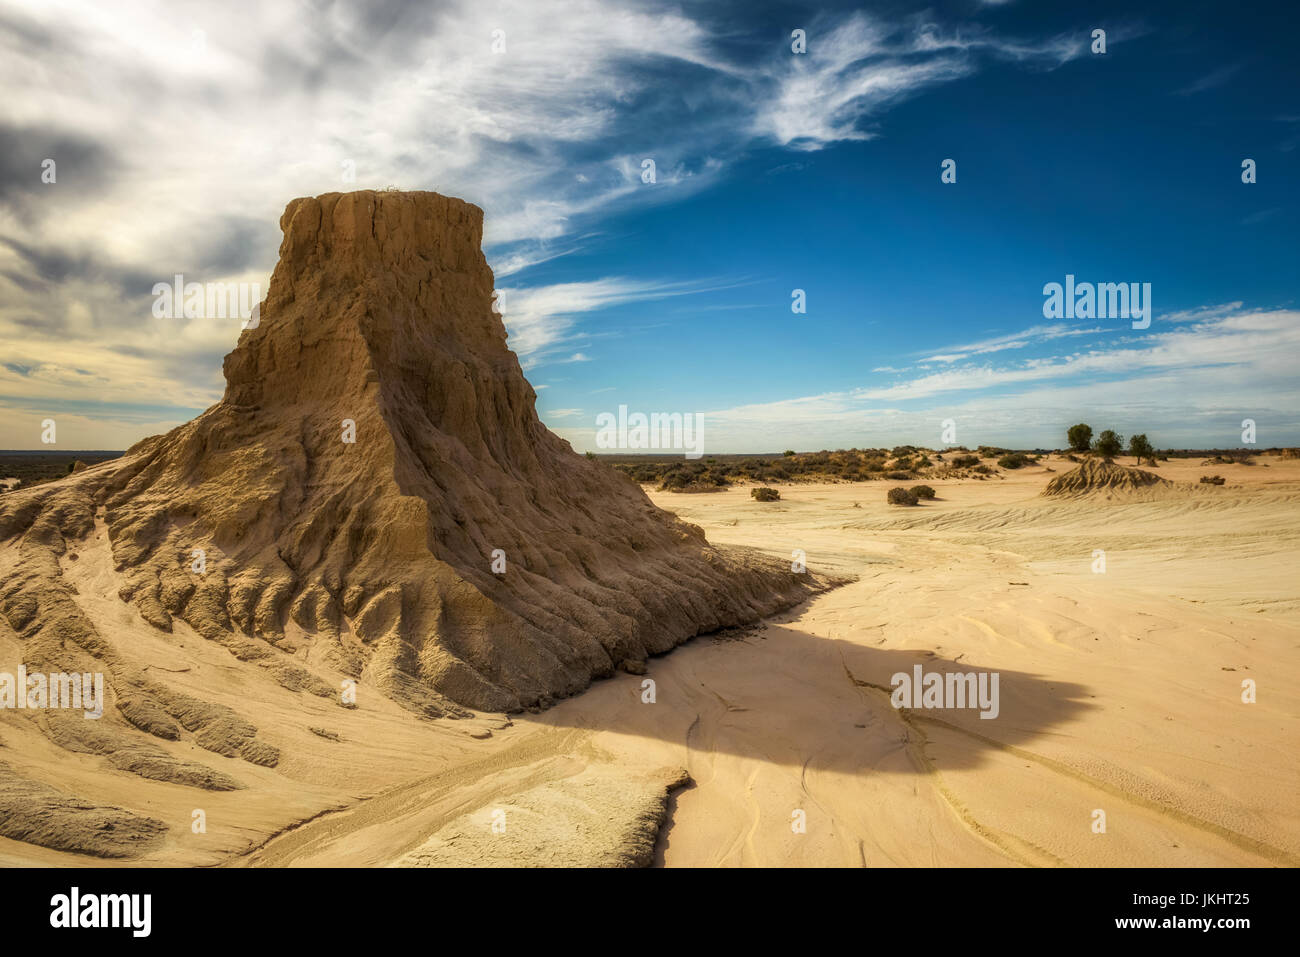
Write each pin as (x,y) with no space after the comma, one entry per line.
(379,325)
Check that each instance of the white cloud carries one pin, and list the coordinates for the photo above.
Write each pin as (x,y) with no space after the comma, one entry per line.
(1016,340)
(541,318)
(862,66)
(1191,385)
(229,117)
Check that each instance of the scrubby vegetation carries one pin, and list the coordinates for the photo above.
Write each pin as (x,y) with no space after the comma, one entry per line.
(33,468)
(1108,445)
(765,494)
(1079,437)
(1212,479)
(1015,460)
(693,478)
(902,496)
(1235,457)
(923,491)
(1140,448)
(900,464)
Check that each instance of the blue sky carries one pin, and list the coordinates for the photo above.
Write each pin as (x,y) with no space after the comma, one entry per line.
(775,171)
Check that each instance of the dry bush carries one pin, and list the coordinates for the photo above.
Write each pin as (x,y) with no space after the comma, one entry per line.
(902,496)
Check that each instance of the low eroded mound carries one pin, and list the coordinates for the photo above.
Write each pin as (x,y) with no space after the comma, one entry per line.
(42,815)
(1096,475)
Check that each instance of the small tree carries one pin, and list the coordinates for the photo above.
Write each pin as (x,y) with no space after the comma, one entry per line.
(1108,445)
(1140,449)
(1079,436)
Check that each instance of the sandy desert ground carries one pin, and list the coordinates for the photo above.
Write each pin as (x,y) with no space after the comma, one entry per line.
(1120,692)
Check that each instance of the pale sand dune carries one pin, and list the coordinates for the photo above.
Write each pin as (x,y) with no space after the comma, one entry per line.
(1120,692)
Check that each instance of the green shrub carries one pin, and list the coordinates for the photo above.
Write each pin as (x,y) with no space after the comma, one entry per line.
(965,461)
(1108,445)
(1013,461)
(1079,437)
(1140,448)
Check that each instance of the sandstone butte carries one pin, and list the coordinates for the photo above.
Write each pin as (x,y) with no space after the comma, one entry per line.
(371,558)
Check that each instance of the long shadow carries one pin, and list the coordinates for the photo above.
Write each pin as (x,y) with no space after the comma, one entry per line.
(785,696)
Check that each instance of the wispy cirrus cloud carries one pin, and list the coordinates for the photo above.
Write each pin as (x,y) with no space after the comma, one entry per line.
(1209,81)
(860,67)
(1016,340)
(541,320)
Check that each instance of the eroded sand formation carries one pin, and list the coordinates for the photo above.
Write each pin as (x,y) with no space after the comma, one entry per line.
(1098,475)
(370,558)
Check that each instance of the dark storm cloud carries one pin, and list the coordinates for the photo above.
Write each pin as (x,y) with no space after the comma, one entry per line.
(20,31)
(232,244)
(236,243)
(53,266)
(83,167)
(384,34)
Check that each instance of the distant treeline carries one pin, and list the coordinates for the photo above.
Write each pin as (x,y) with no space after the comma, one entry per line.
(675,473)
(33,467)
